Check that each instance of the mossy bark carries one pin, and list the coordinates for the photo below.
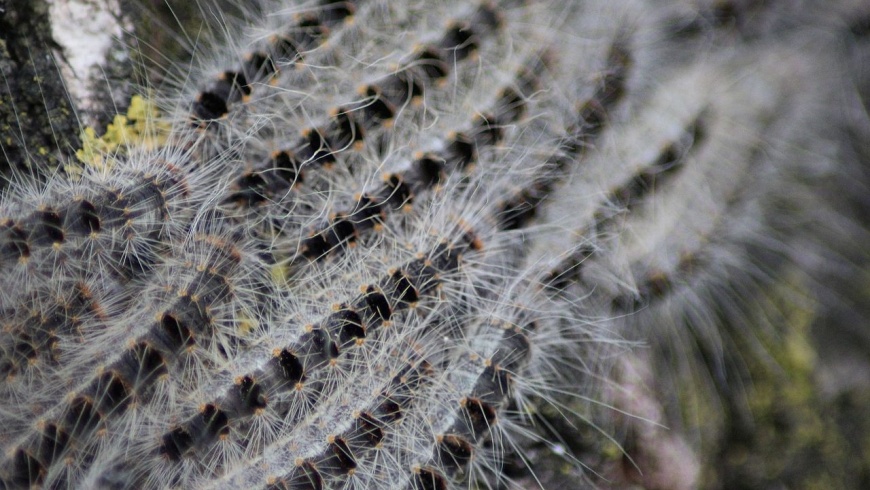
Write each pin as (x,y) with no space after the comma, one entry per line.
(38,121)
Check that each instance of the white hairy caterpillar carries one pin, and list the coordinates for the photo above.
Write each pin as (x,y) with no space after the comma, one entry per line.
(366,281)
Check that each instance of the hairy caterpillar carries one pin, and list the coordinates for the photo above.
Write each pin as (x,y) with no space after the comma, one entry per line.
(376,240)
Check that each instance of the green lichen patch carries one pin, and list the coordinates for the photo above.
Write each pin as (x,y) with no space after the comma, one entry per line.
(783,434)
(141,127)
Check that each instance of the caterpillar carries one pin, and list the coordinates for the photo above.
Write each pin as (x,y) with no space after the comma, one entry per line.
(418,245)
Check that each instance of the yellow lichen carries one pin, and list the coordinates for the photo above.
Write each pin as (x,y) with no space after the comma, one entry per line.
(245,323)
(141,127)
(280,273)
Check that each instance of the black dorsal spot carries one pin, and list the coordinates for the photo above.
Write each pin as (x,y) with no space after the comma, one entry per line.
(367,212)
(315,149)
(338,459)
(616,75)
(430,64)
(492,385)
(232,87)
(509,107)
(376,109)
(454,452)
(429,479)
(517,212)
(15,242)
(111,392)
(81,417)
(333,12)
(52,442)
(50,228)
(145,365)
(174,333)
(476,418)
(342,230)
(310,32)
(460,40)
(343,130)
(512,350)
(486,130)
(26,472)
(445,258)
(346,324)
(259,65)
(288,366)
(210,106)
(388,409)
(374,306)
(250,394)
(316,348)
(146,196)
(423,275)
(315,247)
(401,87)
(486,18)
(401,288)
(214,421)
(592,118)
(176,443)
(285,165)
(396,191)
(304,477)
(251,189)
(286,49)
(460,152)
(427,171)
(192,314)
(367,431)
